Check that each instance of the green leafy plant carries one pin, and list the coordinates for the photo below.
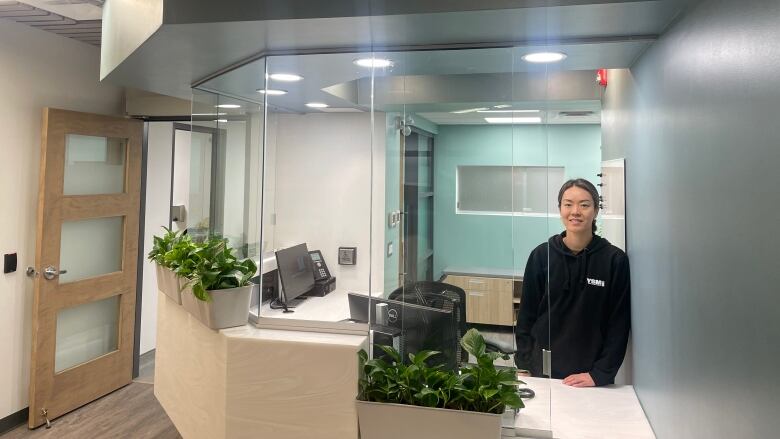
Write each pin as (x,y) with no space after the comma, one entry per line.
(210,265)
(213,266)
(479,387)
(162,245)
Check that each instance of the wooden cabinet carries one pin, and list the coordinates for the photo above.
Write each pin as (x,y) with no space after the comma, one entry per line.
(489,300)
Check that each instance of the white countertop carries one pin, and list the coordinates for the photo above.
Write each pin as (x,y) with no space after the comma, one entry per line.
(316,314)
(249,331)
(332,307)
(582,413)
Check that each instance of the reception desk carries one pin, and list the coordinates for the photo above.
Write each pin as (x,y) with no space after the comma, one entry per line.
(247,382)
(564,412)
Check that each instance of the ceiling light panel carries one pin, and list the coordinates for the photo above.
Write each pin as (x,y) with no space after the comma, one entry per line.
(544,57)
(272,92)
(373,62)
(508,120)
(470,110)
(285,77)
(508,111)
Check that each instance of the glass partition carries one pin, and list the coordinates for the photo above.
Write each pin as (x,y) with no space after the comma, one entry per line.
(218,171)
(417,191)
(318,146)
(460,169)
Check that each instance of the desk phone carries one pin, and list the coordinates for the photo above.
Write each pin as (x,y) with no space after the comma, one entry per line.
(318,266)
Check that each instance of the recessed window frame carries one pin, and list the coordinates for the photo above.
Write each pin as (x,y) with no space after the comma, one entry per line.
(559,173)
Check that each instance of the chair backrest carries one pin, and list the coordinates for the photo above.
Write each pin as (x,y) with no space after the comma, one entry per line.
(438,295)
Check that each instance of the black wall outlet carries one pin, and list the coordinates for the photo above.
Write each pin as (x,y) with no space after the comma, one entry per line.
(9,263)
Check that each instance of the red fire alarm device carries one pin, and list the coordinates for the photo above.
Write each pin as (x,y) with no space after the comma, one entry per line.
(601,77)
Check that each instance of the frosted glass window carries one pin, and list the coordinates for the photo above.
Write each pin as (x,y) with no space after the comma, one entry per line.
(85,332)
(507,189)
(536,188)
(484,188)
(90,248)
(94,165)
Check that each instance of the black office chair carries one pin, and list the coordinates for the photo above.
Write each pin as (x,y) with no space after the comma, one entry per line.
(448,297)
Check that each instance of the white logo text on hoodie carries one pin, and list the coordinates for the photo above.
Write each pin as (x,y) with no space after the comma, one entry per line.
(595,282)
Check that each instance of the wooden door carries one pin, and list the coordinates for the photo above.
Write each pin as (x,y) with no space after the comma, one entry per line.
(85,260)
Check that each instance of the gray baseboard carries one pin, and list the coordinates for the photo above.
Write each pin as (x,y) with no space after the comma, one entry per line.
(13,420)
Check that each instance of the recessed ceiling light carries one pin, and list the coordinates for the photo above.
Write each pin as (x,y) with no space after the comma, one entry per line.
(228,106)
(209,114)
(501,106)
(316,105)
(373,62)
(508,111)
(285,77)
(470,110)
(544,57)
(513,119)
(272,92)
(221,120)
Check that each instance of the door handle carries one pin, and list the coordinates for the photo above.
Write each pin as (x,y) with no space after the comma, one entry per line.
(50,272)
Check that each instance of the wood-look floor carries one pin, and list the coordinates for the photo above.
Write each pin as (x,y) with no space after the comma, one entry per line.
(130,412)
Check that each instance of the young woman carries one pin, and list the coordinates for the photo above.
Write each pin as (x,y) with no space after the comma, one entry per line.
(576,298)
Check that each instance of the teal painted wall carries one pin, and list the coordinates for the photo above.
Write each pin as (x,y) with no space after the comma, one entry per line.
(496,241)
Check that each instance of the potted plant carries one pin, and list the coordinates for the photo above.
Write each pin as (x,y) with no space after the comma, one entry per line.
(413,399)
(167,280)
(217,291)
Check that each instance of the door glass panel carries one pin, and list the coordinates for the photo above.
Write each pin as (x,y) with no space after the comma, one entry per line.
(94,165)
(90,248)
(85,332)
(192,171)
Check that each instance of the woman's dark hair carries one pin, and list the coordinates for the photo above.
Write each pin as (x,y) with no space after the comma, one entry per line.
(582,184)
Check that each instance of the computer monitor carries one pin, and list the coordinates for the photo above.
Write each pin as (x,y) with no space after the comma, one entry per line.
(295,272)
(422,327)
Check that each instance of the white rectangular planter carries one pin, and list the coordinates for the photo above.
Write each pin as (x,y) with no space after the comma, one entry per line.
(169,283)
(227,308)
(392,421)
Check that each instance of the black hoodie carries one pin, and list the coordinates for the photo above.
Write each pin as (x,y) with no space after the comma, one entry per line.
(589,316)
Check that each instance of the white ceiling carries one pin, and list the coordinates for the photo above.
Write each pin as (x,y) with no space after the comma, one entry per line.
(433,84)
(76,19)
(197,38)
(79,10)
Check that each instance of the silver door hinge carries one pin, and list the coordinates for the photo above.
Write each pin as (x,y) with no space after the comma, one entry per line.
(546,363)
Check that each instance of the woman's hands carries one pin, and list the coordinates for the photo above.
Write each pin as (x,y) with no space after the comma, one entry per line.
(579,380)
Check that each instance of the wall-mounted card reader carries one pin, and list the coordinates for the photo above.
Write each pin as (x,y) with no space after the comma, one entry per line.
(347,255)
